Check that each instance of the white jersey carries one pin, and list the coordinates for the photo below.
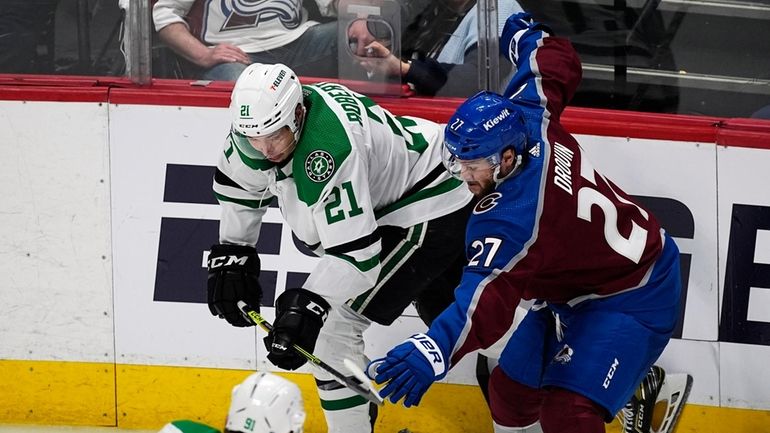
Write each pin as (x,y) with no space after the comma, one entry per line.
(356,167)
(251,26)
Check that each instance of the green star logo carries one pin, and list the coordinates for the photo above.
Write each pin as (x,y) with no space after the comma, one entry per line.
(319,165)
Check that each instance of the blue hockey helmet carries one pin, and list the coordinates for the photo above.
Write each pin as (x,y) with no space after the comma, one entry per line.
(483,127)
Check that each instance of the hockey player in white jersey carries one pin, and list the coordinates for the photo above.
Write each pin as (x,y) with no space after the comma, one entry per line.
(365,190)
(262,403)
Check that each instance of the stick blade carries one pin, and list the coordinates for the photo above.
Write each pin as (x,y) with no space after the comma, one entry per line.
(359,374)
(671,399)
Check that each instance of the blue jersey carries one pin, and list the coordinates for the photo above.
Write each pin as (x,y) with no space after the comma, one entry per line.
(557,230)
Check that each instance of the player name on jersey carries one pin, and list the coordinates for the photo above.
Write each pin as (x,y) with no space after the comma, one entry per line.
(563,172)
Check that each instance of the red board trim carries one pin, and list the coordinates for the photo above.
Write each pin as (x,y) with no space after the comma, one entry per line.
(750,133)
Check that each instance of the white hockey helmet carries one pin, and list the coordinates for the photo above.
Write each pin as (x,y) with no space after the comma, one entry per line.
(265,99)
(266,403)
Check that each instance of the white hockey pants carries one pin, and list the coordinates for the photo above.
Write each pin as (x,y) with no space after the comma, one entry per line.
(341,337)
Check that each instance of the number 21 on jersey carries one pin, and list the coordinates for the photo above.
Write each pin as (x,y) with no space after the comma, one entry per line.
(342,204)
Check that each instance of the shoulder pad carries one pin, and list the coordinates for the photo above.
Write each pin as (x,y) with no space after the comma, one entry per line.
(323,146)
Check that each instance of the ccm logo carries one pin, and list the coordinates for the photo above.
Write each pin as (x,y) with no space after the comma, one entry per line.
(317,310)
(610,373)
(220,261)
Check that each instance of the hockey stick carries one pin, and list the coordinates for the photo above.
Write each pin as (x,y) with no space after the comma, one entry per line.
(658,393)
(360,389)
(674,393)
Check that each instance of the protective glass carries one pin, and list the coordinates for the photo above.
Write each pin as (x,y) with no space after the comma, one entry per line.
(270,140)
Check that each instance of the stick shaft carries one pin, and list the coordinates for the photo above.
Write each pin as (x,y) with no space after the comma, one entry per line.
(348,382)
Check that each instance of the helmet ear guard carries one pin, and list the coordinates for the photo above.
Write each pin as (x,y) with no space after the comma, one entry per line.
(265,99)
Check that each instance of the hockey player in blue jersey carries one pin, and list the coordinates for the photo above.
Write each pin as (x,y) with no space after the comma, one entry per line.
(603,275)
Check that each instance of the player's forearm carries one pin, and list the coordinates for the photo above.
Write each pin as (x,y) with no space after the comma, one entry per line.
(179,38)
(240,225)
(241,213)
(481,314)
(559,71)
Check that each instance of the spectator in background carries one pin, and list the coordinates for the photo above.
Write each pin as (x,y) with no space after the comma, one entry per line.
(439,49)
(223,37)
(24,26)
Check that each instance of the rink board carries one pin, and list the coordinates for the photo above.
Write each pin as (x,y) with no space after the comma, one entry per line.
(153,395)
(104,233)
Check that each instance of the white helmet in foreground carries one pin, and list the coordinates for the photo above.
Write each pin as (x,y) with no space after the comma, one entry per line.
(266,403)
(265,99)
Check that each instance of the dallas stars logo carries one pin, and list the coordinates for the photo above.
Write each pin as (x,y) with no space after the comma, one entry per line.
(319,165)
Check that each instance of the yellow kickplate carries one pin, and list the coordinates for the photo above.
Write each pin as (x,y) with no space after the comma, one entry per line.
(57,392)
(147,397)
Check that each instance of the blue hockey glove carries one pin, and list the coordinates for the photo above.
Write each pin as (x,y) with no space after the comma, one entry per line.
(516,28)
(409,369)
(520,20)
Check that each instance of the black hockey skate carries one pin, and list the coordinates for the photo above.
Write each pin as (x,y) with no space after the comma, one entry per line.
(657,403)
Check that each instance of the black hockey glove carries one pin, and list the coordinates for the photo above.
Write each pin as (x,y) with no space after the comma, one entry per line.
(299,316)
(233,272)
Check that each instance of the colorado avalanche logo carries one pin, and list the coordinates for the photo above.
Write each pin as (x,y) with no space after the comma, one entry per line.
(564,356)
(487,203)
(249,13)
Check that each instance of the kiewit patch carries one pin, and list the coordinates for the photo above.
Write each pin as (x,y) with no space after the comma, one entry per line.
(319,165)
